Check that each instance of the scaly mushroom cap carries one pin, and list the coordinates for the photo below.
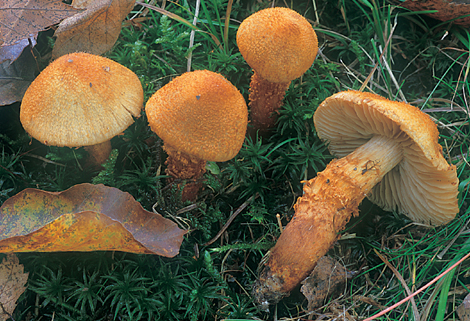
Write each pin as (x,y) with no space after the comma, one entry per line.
(201,114)
(423,185)
(81,99)
(278,43)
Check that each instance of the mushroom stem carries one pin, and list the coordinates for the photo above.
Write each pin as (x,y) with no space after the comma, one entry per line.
(265,100)
(98,154)
(321,213)
(182,166)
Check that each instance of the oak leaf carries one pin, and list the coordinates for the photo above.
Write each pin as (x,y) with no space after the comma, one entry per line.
(12,285)
(85,217)
(24,19)
(94,30)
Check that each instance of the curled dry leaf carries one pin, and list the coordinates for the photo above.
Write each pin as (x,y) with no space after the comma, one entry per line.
(94,30)
(326,281)
(463,311)
(24,19)
(12,285)
(17,71)
(446,9)
(85,217)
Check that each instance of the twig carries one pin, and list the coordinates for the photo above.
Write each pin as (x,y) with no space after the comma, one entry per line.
(232,217)
(191,37)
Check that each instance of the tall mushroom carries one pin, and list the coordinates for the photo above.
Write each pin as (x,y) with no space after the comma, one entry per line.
(390,153)
(280,45)
(200,116)
(82,99)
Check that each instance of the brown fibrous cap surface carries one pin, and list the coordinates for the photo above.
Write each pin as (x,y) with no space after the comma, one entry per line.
(201,114)
(423,185)
(81,99)
(278,43)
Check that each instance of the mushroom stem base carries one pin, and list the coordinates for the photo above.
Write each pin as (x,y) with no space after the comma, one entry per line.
(186,171)
(98,154)
(265,100)
(321,214)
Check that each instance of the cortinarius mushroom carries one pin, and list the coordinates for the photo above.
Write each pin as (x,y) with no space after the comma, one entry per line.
(200,116)
(390,153)
(82,99)
(280,45)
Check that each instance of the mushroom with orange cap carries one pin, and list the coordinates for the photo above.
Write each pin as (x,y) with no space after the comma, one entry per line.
(82,99)
(280,45)
(390,153)
(200,116)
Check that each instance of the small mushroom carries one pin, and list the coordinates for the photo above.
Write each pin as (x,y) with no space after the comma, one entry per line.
(280,45)
(200,116)
(82,99)
(390,153)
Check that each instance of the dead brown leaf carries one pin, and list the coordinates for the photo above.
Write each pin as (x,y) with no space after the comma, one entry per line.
(463,311)
(16,74)
(446,9)
(85,217)
(12,285)
(326,281)
(95,30)
(24,19)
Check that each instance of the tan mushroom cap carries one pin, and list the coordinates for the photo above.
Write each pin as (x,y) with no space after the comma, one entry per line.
(201,114)
(278,43)
(423,185)
(81,99)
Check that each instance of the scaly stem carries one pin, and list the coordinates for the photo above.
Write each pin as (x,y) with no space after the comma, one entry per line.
(182,166)
(265,100)
(321,213)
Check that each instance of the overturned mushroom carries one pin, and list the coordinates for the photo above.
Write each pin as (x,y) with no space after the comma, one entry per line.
(280,45)
(390,153)
(82,99)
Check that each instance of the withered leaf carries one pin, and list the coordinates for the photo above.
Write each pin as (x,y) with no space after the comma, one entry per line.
(12,284)
(95,30)
(85,217)
(446,9)
(463,311)
(16,76)
(24,19)
(326,281)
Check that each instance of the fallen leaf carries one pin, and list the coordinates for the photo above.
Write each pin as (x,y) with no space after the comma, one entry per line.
(12,52)
(85,217)
(326,281)
(12,285)
(15,77)
(463,311)
(446,10)
(94,30)
(24,19)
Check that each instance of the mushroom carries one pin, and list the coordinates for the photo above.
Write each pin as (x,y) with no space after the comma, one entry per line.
(390,153)
(82,99)
(280,45)
(200,116)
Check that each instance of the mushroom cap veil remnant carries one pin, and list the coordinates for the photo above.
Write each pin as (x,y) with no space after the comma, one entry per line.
(423,185)
(201,114)
(81,99)
(278,43)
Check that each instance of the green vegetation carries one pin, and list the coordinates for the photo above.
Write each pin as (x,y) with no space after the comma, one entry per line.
(406,56)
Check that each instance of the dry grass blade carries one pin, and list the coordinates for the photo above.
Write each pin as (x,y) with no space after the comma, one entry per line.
(403,282)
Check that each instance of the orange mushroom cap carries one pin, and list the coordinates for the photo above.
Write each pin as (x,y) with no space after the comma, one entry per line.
(201,114)
(81,99)
(278,43)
